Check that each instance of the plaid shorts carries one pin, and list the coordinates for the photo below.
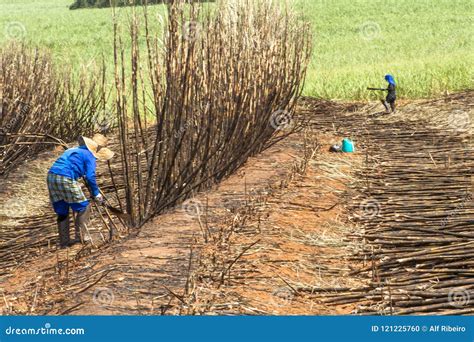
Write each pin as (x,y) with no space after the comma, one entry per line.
(64,189)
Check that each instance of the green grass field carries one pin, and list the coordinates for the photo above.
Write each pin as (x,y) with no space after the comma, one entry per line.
(426,44)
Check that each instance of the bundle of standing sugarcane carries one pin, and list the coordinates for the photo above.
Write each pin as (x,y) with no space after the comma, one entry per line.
(39,104)
(222,83)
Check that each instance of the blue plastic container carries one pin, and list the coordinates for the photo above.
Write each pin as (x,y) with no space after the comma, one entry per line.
(347,145)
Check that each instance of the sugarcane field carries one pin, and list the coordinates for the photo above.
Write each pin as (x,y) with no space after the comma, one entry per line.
(236,158)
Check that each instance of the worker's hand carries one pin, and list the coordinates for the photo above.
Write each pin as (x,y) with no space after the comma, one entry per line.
(99,199)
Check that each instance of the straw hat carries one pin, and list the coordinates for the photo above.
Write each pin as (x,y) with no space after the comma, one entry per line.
(97,146)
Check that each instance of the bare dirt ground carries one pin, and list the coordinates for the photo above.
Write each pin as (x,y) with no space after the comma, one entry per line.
(284,235)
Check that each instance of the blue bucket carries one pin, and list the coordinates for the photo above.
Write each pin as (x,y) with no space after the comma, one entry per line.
(347,145)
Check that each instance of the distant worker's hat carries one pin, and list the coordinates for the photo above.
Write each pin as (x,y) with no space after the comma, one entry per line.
(97,146)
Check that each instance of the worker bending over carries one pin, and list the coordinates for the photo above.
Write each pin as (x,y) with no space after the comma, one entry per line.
(65,191)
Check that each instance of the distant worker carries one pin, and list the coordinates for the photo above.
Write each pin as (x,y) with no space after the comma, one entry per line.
(389,102)
(65,191)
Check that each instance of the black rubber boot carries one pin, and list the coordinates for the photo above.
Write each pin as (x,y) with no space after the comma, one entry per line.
(385,104)
(82,220)
(392,106)
(63,230)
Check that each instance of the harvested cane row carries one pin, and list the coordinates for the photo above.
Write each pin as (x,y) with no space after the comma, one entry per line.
(415,210)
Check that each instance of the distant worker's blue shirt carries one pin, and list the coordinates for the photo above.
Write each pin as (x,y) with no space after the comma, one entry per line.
(76,163)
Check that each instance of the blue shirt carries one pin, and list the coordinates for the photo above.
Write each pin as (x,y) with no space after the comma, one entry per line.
(75,163)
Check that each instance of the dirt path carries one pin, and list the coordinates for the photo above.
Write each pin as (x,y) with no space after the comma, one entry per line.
(302,235)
